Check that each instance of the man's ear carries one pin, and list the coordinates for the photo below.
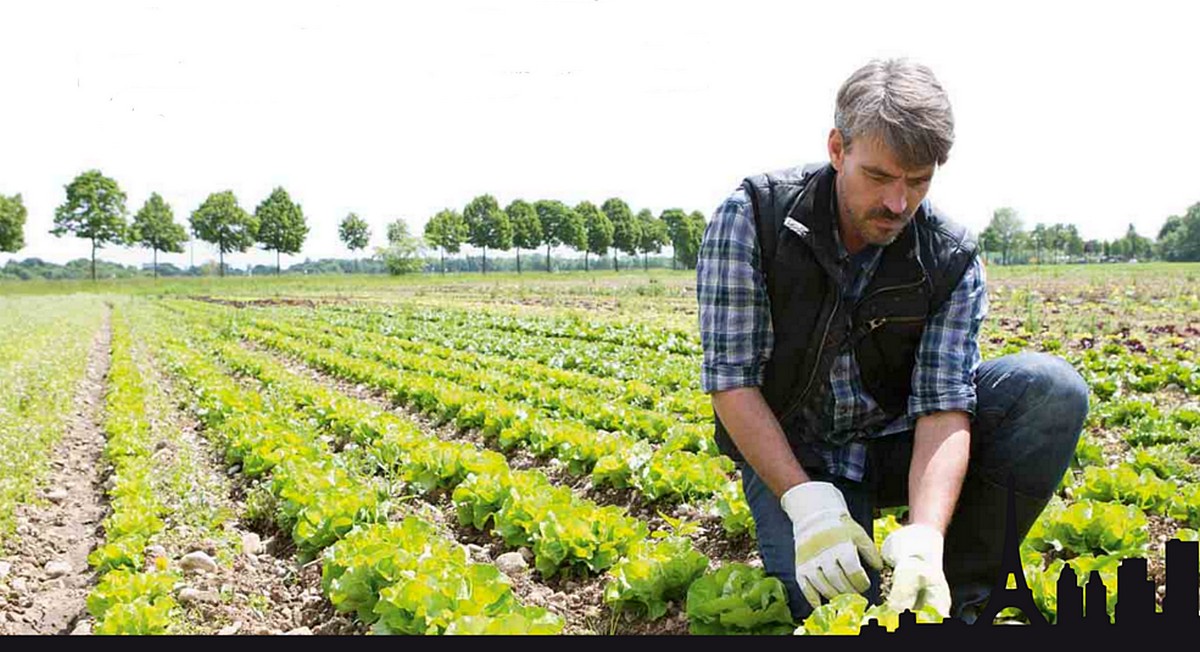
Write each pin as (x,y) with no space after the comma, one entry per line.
(836,148)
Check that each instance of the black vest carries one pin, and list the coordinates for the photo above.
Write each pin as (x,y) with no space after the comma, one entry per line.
(810,320)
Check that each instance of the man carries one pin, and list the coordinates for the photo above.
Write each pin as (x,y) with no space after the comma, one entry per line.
(839,316)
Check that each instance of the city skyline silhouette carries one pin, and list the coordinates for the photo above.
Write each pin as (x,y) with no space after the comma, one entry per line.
(1080,611)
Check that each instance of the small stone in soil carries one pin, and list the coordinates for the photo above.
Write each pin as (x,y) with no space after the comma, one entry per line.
(57,569)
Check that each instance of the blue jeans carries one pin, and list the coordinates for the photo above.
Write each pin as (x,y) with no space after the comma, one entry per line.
(1030,409)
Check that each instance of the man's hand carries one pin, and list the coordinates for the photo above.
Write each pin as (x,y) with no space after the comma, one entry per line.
(828,542)
(915,552)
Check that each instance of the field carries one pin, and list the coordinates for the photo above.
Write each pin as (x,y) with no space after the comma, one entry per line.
(486,454)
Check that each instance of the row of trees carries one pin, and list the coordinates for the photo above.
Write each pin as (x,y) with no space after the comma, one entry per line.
(1005,241)
(94,210)
(585,228)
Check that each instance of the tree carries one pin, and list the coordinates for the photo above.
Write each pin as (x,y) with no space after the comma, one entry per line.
(526,227)
(487,225)
(1179,238)
(652,236)
(626,229)
(281,225)
(1137,246)
(1003,232)
(397,230)
(220,221)
(1038,236)
(12,223)
(599,230)
(154,226)
(674,219)
(355,233)
(447,230)
(94,210)
(403,253)
(560,226)
(689,244)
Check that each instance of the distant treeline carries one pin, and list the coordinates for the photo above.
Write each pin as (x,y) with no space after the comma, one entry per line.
(94,209)
(1006,242)
(80,268)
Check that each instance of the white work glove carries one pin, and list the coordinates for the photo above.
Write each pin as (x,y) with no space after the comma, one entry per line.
(915,552)
(828,542)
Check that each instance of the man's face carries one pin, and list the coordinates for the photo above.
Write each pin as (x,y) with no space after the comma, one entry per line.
(877,197)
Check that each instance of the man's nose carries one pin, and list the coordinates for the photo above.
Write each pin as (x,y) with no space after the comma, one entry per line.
(896,197)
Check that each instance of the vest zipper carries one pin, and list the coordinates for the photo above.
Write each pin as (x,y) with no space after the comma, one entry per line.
(873,324)
(894,287)
(837,301)
(880,321)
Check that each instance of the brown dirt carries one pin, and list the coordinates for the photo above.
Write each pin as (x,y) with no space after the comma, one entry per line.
(62,529)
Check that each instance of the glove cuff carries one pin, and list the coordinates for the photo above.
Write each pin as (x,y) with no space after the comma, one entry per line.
(808,498)
(916,540)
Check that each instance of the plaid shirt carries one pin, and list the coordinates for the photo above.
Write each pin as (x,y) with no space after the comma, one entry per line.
(735,331)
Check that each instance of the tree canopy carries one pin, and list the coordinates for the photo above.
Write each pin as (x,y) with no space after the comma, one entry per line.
(1179,238)
(599,230)
(94,210)
(685,232)
(354,232)
(12,223)
(526,227)
(402,255)
(487,225)
(652,235)
(154,227)
(281,225)
(220,221)
(560,226)
(446,230)
(627,230)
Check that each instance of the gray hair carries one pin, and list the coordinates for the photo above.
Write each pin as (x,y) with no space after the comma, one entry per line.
(901,103)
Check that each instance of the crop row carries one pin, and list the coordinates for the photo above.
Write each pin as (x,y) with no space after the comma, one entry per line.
(334,506)
(44,345)
(566,533)
(668,372)
(521,361)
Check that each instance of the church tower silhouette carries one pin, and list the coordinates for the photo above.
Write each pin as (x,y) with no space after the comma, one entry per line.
(1002,596)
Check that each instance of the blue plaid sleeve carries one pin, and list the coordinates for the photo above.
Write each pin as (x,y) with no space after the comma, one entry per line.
(948,355)
(735,317)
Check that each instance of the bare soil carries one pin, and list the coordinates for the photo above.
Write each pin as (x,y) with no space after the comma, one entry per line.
(50,578)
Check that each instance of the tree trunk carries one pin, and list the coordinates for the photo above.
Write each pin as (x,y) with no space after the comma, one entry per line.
(616,265)
(221,263)
(645,261)
(156,263)
(93,260)
(443,259)
(484,267)
(276,262)
(518,260)
(585,260)
(547,257)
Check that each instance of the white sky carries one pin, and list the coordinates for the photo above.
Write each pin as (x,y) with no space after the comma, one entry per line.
(1072,112)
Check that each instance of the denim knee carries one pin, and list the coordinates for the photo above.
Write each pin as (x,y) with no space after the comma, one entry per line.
(1029,417)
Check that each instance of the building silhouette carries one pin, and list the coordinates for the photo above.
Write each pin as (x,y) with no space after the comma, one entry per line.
(1082,611)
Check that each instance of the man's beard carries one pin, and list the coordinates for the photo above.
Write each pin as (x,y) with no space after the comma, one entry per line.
(881,213)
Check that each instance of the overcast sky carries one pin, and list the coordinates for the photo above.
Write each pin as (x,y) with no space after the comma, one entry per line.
(1071,112)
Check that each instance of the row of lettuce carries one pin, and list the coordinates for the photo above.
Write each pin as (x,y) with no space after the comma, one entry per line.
(1153,478)
(623,448)
(516,406)
(334,463)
